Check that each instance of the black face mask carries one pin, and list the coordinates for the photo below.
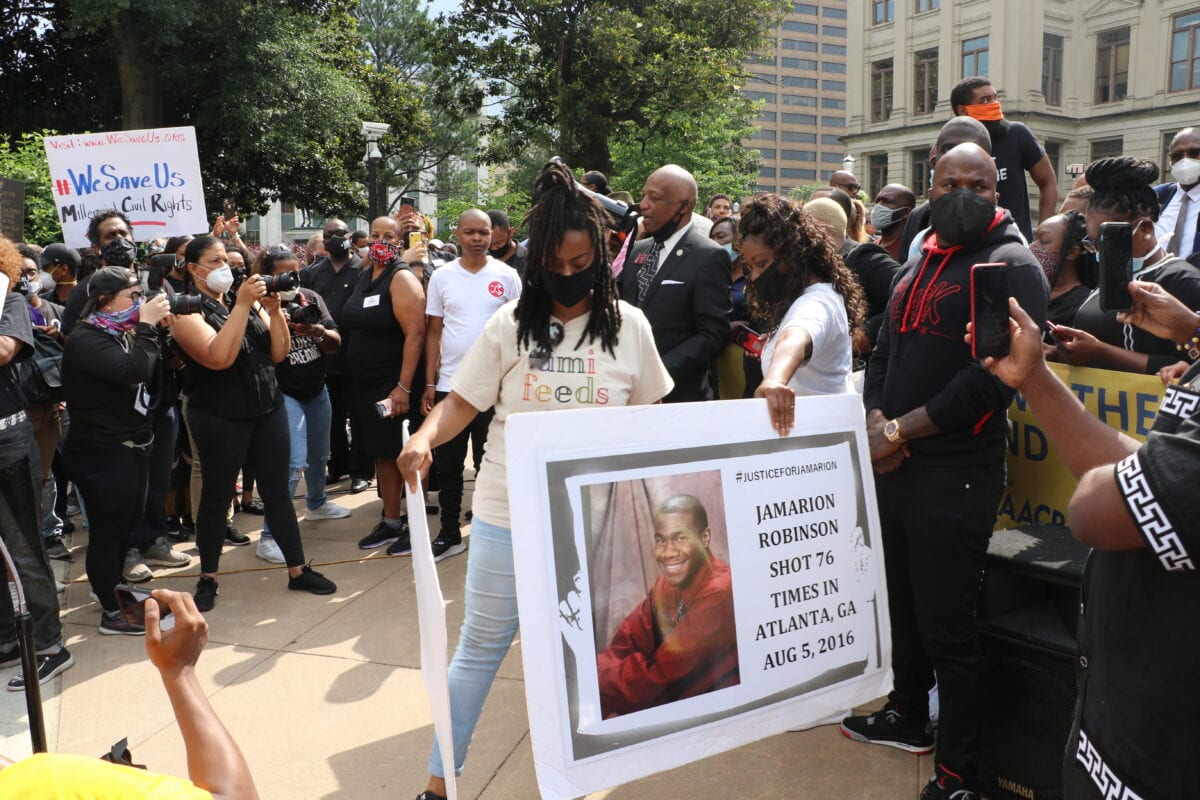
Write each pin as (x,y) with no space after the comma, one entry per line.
(120,252)
(670,226)
(768,285)
(337,246)
(567,290)
(960,216)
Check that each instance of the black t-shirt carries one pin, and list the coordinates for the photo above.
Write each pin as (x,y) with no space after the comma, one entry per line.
(1016,152)
(74,306)
(106,380)
(876,271)
(1135,732)
(249,387)
(302,374)
(335,287)
(15,322)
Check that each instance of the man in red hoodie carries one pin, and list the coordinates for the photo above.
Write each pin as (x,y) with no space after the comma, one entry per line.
(936,425)
(681,641)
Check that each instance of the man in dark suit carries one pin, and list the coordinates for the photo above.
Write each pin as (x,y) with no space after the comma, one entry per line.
(1176,228)
(680,279)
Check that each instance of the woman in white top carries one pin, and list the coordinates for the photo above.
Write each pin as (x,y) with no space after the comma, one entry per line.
(568,342)
(810,301)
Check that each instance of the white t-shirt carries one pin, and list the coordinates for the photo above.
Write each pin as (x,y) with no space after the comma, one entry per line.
(465,302)
(821,312)
(496,371)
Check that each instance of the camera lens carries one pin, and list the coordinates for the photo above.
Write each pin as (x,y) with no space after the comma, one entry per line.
(185,304)
(283,282)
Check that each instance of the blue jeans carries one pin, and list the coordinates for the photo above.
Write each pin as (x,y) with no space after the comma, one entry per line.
(308,426)
(487,632)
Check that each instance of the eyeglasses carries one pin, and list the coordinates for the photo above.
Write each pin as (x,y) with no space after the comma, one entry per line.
(1179,155)
(134,295)
(540,356)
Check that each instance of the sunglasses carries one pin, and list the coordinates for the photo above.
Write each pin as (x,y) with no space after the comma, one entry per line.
(540,356)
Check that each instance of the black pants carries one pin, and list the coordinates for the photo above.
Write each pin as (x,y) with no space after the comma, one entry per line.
(936,525)
(153,523)
(449,461)
(21,525)
(346,456)
(224,445)
(112,480)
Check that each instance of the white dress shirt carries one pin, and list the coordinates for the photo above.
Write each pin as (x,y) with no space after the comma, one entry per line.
(1164,229)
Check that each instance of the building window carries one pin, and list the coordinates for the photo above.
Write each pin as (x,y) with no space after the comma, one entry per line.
(882,11)
(767,153)
(826,174)
(833,66)
(832,158)
(975,56)
(798,136)
(833,49)
(925,78)
(800,63)
(755,58)
(927,5)
(831,139)
(799,100)
(767,96)
(799,155)
(764,133)
(833,122)
(1107,148)
(877,177)
(834,30)
(832,102)
(766,172)
(918,161)
(833,86)
(833,13)
(802,174)
(799,27)
(1185,52)
(799,119)
(798,82)
(1052,67)
(1112,65)
(804,8)
(796,44)
(881,90)
(766,116)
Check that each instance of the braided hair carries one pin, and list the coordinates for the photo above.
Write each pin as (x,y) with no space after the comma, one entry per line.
(801,245)
(1074,232)
(559,206)
(1124,185)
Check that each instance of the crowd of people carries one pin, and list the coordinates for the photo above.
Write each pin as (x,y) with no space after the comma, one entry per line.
(168,402)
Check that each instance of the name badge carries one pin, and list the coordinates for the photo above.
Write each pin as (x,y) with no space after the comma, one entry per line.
(371,302)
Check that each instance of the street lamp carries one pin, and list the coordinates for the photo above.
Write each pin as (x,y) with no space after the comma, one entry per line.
(373,132)
(848,163)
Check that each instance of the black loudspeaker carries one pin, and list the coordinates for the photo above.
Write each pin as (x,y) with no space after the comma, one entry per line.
(1028,612)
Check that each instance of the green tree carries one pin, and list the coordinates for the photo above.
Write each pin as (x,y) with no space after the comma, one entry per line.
(23,158)
(582,68)
(804,191)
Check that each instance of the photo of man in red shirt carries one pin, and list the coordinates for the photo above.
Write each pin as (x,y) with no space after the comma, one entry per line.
(681,640)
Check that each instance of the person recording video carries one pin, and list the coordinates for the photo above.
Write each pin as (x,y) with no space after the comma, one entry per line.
(235,407)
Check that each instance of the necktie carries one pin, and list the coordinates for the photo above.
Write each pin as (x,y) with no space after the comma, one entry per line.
(649,268)
(1180,224)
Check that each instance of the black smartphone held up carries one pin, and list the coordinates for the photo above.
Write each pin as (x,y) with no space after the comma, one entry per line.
(1116,266)
(408,201)
(229,209)
(132,601)
(989,311)
(748,340)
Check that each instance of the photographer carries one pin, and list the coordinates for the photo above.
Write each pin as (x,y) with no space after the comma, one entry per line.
(108,362)
(235,407)
(302,379)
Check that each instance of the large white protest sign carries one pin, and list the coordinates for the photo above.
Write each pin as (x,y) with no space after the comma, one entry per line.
(152,176)
(643,652)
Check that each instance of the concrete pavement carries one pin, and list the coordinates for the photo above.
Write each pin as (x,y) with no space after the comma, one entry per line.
(324,694)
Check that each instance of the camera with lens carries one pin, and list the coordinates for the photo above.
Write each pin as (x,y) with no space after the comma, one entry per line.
(159,266)
(303,314)
(283,282)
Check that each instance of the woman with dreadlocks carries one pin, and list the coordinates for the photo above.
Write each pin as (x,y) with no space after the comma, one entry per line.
(526,360)
(1123,193)
(810,301)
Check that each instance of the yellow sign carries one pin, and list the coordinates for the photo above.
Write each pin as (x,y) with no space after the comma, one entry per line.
(1039,484)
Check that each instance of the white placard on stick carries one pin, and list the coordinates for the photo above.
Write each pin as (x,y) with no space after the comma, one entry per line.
(152,176)
(630,670)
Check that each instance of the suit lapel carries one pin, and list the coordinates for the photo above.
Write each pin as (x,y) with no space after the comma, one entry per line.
(677,254)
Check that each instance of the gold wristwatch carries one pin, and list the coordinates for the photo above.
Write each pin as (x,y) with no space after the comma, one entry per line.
(891,431)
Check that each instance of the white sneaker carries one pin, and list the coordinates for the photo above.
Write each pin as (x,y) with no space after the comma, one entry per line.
(269,551)
(328,510)
(135,570)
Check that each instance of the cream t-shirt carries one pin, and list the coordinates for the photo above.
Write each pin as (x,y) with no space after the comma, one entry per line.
(496,371)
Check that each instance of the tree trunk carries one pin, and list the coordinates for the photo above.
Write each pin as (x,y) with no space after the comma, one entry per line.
(141,93)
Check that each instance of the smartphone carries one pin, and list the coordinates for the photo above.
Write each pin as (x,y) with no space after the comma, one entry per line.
(408,201)
(989,310)
(745,337)
(132,601)
(414,239)
(1116,266)
(229,210)
(384,408)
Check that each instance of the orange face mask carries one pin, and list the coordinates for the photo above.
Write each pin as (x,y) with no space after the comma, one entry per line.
(985,112)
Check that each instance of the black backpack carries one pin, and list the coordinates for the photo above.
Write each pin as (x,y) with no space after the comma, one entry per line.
(41,373)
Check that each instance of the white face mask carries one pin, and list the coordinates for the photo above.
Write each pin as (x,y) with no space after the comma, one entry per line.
(1186,171)
(289,295)
(220,279)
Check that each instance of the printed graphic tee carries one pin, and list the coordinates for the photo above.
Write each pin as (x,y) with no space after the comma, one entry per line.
(465,302)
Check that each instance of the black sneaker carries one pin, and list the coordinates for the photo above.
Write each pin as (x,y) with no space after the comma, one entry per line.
(947,785)
(381,534)
(402,546)
(235,537)
(56,549)
(888,726)
(311,581)
(359,485)
(445,547)
(206,593)
(178,530)
(48,667)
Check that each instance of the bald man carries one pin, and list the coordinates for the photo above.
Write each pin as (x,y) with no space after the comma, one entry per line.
(1177,228)
(846,182)
(680,279)
(937,427)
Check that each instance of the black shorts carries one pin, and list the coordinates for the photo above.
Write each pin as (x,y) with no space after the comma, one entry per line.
(382,437)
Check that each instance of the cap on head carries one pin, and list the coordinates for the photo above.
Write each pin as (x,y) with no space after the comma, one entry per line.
(58,253)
